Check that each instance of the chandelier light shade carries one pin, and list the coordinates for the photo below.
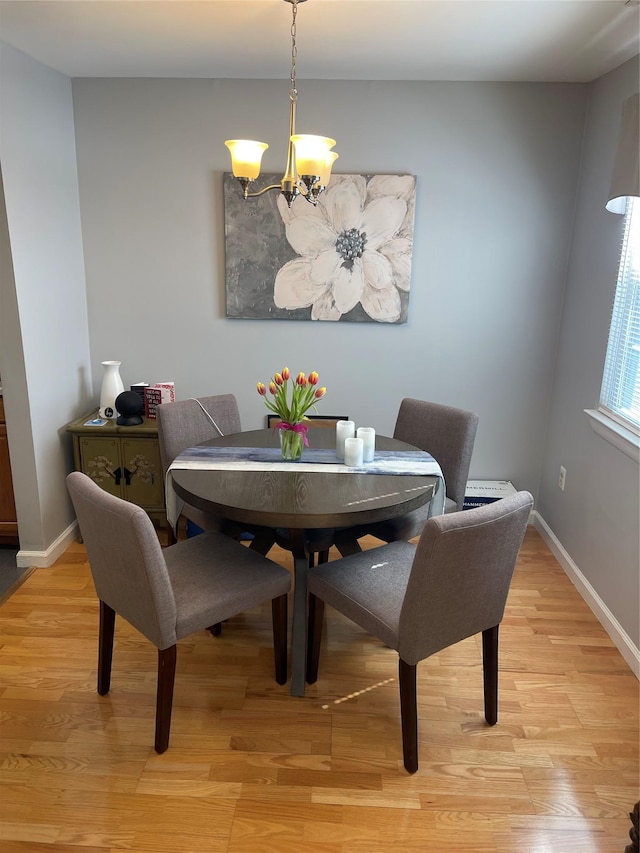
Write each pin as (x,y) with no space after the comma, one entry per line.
(325,173)
(309,158)
(311,153)
(246,156)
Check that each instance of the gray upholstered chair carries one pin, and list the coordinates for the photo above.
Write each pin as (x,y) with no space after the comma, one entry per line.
(448,434)
(167,594)
(419,599)
(186,423)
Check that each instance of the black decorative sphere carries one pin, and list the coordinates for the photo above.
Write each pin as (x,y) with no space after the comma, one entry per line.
(130,405)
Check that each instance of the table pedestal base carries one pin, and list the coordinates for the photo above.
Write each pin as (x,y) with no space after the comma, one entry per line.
(300,550)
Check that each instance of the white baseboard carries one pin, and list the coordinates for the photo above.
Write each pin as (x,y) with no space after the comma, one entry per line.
(614,629)
(45,559)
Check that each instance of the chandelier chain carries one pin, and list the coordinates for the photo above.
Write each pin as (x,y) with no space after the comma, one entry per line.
(293,92)
(308,152)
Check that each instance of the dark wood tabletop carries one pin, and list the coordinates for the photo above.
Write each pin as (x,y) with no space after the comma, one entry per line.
(301,501)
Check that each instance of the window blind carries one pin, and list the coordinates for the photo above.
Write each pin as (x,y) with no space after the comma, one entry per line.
(620,393)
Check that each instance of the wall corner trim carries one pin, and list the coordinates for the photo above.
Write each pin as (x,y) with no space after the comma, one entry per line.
(45,559)
(616,632)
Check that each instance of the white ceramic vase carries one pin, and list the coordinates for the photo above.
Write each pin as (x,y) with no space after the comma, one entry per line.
(111,386)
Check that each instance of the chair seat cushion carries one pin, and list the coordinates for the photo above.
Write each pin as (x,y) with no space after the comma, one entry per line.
(368,588)
(214,578)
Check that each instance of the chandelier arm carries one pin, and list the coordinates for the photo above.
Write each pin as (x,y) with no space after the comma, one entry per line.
(302,190)
(263,190)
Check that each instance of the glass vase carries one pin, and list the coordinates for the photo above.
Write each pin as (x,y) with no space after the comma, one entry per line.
(291,443)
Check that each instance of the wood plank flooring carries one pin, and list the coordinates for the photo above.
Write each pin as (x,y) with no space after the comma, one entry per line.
(251,769)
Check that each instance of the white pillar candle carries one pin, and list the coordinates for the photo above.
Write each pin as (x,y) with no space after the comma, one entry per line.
(368,436)
(344,430)
(353,452)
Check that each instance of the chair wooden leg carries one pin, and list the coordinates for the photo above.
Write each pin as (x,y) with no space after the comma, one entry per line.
(323,557)
(262,543)
(347,548)
(490,670)
(171,536)
(105,647)
(279,620)
(314,636)
(409,714)
(164,698)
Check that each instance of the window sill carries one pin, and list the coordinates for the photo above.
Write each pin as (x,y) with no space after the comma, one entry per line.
(615,434)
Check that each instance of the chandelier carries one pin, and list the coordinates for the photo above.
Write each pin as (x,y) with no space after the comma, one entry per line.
(309,158)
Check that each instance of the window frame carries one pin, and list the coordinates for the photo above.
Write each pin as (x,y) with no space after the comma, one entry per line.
(610,420)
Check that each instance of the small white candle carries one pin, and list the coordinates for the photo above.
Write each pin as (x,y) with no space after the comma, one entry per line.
(344,430)
(353,449)
(368,436)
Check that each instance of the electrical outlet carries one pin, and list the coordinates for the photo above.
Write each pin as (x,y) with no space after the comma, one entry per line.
(562,478)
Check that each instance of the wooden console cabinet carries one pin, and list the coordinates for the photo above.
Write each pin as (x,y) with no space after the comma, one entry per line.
(123,460)
(8,517)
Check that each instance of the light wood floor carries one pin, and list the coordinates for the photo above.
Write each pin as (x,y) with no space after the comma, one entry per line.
(251,769)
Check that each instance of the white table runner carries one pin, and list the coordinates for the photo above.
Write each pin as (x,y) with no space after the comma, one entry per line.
(204,458)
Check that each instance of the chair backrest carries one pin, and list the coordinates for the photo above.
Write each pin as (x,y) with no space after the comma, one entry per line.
(313,421)
(128,568)
(460,576)
(184,424)
(445,432)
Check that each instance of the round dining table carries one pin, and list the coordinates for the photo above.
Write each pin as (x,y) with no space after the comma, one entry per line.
(301,501)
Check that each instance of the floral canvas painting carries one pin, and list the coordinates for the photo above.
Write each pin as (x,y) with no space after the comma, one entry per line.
(346,259)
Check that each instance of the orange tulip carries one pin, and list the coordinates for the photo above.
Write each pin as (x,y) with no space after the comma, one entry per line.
(305,393)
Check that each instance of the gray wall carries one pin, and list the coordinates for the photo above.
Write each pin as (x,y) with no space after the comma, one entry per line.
(596,517)
(44,349)
(497,167)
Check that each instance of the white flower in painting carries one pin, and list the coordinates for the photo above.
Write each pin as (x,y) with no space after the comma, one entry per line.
(354,247)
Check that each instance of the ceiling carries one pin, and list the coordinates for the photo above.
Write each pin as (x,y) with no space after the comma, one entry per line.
(493,40)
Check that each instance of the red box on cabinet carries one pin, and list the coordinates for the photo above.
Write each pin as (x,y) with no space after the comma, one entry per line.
(154,395)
